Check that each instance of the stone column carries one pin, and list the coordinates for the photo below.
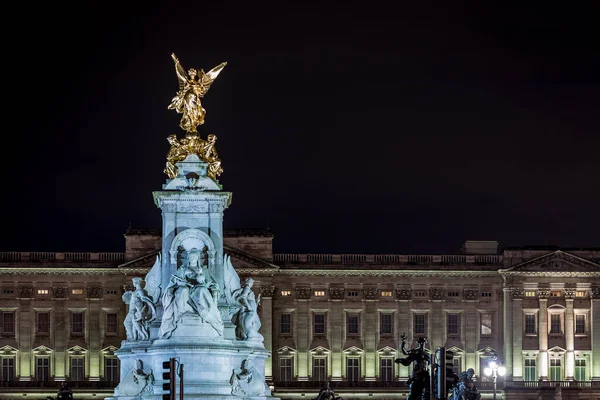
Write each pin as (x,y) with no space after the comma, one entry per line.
(24,324)
(303,331)
(570,334)
(517,336)
(370,334)
(94,314)
(508,321)
(595,330)
(543,332)
(403,297)
(266,329)
(336,319)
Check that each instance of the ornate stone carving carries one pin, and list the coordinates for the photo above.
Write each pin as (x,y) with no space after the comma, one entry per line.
(336,292)
(437,294)
(543,293)
(518,294)
(267,291)
(303,293)
(141,312)
(137,381)
(595,292)
(569,293)
(25,292)
(59,292)
(403,294)
(169,207)
(247,381)
(94,292)
(193,207)
(554,265)
(370,293)
(470,294)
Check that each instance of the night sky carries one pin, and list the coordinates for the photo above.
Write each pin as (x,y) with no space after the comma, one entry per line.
(342,129)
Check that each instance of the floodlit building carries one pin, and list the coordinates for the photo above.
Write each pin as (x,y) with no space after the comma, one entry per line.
(325,317)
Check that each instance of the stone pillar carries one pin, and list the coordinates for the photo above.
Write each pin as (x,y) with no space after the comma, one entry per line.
(303,333)
(543,333)
(595,330)
(337,320)
(570,335)
(403,297)
(59,332)
(370,336)
(266,329)
(508,321)
(471,332)
(94,340)
(25,318)
(517,336)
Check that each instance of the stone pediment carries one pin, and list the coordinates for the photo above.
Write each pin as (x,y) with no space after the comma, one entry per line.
(556,263)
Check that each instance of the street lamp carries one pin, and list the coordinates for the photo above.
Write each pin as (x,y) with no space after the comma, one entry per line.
(494,369)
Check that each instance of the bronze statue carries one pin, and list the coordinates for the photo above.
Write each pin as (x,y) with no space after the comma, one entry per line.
(420,358)
(465,389)
(193,85)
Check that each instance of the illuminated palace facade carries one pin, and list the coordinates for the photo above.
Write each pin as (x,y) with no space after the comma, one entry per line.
(325,317)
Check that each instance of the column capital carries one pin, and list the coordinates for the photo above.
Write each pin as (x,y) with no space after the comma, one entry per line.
(595,292)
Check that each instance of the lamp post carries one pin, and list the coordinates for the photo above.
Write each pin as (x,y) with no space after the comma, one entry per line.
(494,369)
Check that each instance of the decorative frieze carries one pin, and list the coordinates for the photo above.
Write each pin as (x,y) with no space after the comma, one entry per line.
(518,294)
(59,292)
(595,292)
(543,293)
(94,292)
(569,293)
(403,294)
(267,291)
(336,292)
(470,294)
(25,292)
(370,293)
(303,293)
(437,293)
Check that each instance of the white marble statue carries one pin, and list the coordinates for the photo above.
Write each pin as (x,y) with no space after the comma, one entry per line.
(190,290)
(243,302)
(141,312)
(247,381)
(137,381)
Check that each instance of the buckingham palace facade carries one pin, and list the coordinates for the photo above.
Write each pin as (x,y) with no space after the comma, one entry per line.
(325,317)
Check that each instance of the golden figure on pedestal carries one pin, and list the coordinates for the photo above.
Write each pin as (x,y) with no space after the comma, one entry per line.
(193,85)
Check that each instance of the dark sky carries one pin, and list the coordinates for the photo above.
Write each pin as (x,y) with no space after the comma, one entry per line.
(344,129)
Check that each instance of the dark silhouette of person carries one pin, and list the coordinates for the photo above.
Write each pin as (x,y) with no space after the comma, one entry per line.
(419,379)
(64,393)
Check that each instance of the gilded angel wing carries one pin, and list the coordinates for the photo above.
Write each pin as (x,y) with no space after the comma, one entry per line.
(181,74)
(209,77)
(231,280)
(153,280)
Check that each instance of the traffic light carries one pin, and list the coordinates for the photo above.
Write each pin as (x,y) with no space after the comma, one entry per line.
(169,376)
(446,379)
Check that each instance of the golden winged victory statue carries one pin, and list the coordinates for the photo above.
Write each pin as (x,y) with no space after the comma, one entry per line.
(193,85)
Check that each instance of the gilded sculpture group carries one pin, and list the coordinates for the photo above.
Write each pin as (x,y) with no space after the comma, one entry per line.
(193,85)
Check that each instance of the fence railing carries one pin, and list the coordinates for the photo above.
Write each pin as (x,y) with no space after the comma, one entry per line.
(9,257)
(386,259)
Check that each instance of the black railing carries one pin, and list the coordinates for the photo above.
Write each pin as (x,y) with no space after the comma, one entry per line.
(56,384)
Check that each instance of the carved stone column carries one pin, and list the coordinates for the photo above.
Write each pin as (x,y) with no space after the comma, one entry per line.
(303,331)
(595,329)
(517,336)
(266,329)
(508,296)
(336,319)
(543,295)
(370,335)
(570,334)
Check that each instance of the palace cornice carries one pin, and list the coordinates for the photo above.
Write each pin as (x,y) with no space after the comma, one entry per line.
(561,274)
(73,271)
(377,273)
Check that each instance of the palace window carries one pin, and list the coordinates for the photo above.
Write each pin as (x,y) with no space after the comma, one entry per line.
(8,323)
(111,323)
(319,293)
(530,324)
(43,323)
(456,365)
(555,325)
(42,369)
(111,369)
(486,294)
(319,324)
(555,369)
(353,325)
(8,369)
(386,326)
(529,293)
(285,324)
(420,324)
(76,291)
(319,369)
(555,293)
(77,323)
(386,293)
(486,324)
(111,291)
(580,293)
(77,369)
(8,291)
(580,324)
(286,369)
(353,369)
(286,292)
(352,293)
(453,293)
(386,369)
(453,324)
(580,372)
(530,370)
(421,293)
(42,291)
